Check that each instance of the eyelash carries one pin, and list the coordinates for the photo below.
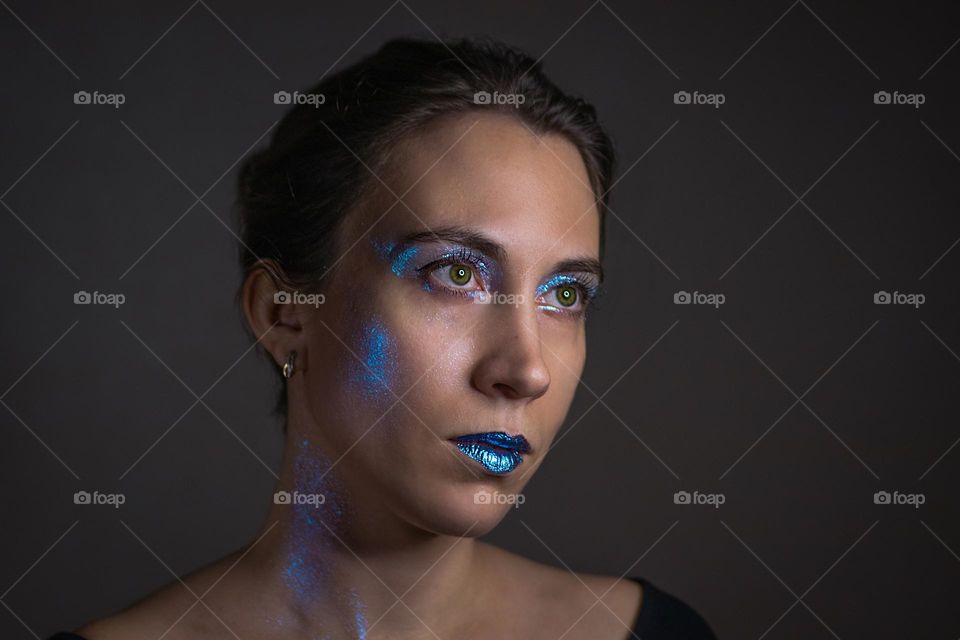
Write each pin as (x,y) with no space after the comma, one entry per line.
(459,255)
(588,291)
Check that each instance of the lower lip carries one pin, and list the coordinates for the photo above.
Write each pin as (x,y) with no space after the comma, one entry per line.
(493,459)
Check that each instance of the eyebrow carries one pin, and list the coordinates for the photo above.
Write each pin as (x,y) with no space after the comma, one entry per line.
(583,264)
(459,235)
(484,244)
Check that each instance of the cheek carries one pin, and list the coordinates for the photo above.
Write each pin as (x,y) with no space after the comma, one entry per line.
(403,351)
(565,359)
(371,374)
(444,388)
(435,353)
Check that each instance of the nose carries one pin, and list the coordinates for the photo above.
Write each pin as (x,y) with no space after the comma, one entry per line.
(512,366)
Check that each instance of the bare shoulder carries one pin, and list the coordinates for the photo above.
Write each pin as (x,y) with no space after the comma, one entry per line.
(171,612)
(582,605)
(152,616)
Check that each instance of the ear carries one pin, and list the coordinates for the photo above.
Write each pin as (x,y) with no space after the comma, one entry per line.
(274,321)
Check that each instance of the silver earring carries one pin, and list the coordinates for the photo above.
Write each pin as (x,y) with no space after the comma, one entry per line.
(288,366)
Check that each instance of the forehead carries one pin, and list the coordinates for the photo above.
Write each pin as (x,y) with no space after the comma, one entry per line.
(488,171)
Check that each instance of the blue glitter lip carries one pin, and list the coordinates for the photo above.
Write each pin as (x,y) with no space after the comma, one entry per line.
(497,451)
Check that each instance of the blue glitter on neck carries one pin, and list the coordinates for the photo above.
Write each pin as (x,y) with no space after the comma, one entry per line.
(359,618)
(305,572)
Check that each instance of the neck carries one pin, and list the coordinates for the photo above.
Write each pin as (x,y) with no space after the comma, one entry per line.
(343,569)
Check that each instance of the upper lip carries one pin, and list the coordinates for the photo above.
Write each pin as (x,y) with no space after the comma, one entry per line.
(499,439)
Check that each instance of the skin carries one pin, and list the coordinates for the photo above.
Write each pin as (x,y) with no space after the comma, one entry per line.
(399,515)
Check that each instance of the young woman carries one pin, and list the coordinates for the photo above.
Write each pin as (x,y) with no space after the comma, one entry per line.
(422,241)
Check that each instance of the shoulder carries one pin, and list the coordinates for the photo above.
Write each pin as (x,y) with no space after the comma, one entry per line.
(579,605)
(601,606)
(663,615)
(172,612)
(153,616)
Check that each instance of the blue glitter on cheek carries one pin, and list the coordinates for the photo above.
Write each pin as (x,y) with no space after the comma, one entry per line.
(374,376)
(376,356)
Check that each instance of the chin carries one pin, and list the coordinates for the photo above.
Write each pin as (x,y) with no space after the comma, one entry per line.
(469,510)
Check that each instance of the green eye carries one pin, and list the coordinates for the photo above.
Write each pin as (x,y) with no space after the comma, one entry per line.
(567,296)
(460,274)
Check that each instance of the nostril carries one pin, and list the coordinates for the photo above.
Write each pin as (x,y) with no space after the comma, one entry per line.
(506,390)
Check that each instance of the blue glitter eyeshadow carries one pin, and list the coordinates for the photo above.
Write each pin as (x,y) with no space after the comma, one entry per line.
(400,263)
(470,258)
(556,281)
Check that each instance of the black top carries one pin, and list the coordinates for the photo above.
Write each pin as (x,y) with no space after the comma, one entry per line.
(662,617)
(665,617)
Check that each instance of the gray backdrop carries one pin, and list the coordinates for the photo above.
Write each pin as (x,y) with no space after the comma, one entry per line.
(799,198)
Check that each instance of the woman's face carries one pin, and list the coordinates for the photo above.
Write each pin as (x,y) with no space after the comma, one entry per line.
(458,310)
